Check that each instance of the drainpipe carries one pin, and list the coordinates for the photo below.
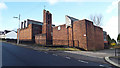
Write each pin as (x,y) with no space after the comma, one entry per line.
(86,35)
(68,35)
(72,34)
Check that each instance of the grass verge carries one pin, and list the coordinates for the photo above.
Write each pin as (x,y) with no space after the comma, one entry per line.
(64,49)
(44,48)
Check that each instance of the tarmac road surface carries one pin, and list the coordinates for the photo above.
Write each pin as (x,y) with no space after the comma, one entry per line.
(18,56)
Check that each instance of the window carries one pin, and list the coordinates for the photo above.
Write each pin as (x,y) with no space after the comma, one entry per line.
(58,27)
(84,35)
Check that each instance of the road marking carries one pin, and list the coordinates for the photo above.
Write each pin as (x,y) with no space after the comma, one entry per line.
(67,57)
(54,54)
(83,61)
(101,65)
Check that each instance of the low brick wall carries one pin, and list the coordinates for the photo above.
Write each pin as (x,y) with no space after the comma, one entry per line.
(60,42)
(27,41)
(10,40)
(40,39)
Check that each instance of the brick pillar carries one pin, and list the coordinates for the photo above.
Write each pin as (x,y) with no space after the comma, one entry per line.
(21,25)
(44,22)
(24,24)
(47,25)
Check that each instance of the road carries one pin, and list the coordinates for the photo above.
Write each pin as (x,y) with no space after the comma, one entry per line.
(13,55)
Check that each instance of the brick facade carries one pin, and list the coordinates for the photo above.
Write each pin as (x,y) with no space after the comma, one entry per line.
(85,35)
(26,33)
(99,38)
(29,29)
(60,37)
(47,24)
(79,30)
(45,37)
(94,37)
(40,39)
(75,33)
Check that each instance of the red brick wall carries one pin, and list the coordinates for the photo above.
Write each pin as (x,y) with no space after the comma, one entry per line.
(94,35)
(70,37)
(37,38)
(36,29)
(60,37)
(45,37)
(92,41)
(44,22)
(99,41)
(47,26)
(26,33)
(63,36)
(79,29)
(90,35)
(40,39)
(29,32)
(95,39)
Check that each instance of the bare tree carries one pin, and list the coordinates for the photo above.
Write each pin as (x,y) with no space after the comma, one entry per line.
(97,19)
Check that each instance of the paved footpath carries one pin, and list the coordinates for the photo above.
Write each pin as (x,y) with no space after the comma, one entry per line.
(108,55)
(92,54)
(113,60)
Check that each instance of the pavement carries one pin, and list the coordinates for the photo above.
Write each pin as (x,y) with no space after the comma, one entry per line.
(108,55)
(95,56)
(92,53)
(113,60)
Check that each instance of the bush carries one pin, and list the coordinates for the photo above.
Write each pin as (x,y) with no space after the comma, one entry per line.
(113,44)
(117,46)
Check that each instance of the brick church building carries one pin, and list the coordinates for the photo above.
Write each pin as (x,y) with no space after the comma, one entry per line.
(74,33)
(45,38)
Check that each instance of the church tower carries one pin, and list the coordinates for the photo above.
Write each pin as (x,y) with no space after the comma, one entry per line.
(47,26)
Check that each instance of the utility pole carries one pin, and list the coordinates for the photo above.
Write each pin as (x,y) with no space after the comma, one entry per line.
(18,28)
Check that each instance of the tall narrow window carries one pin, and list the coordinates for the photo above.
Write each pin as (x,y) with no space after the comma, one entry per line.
(58,27)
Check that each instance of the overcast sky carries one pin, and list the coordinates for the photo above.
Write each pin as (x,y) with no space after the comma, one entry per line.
(59,8)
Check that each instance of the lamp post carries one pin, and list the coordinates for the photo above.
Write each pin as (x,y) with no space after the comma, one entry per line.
(18,28)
